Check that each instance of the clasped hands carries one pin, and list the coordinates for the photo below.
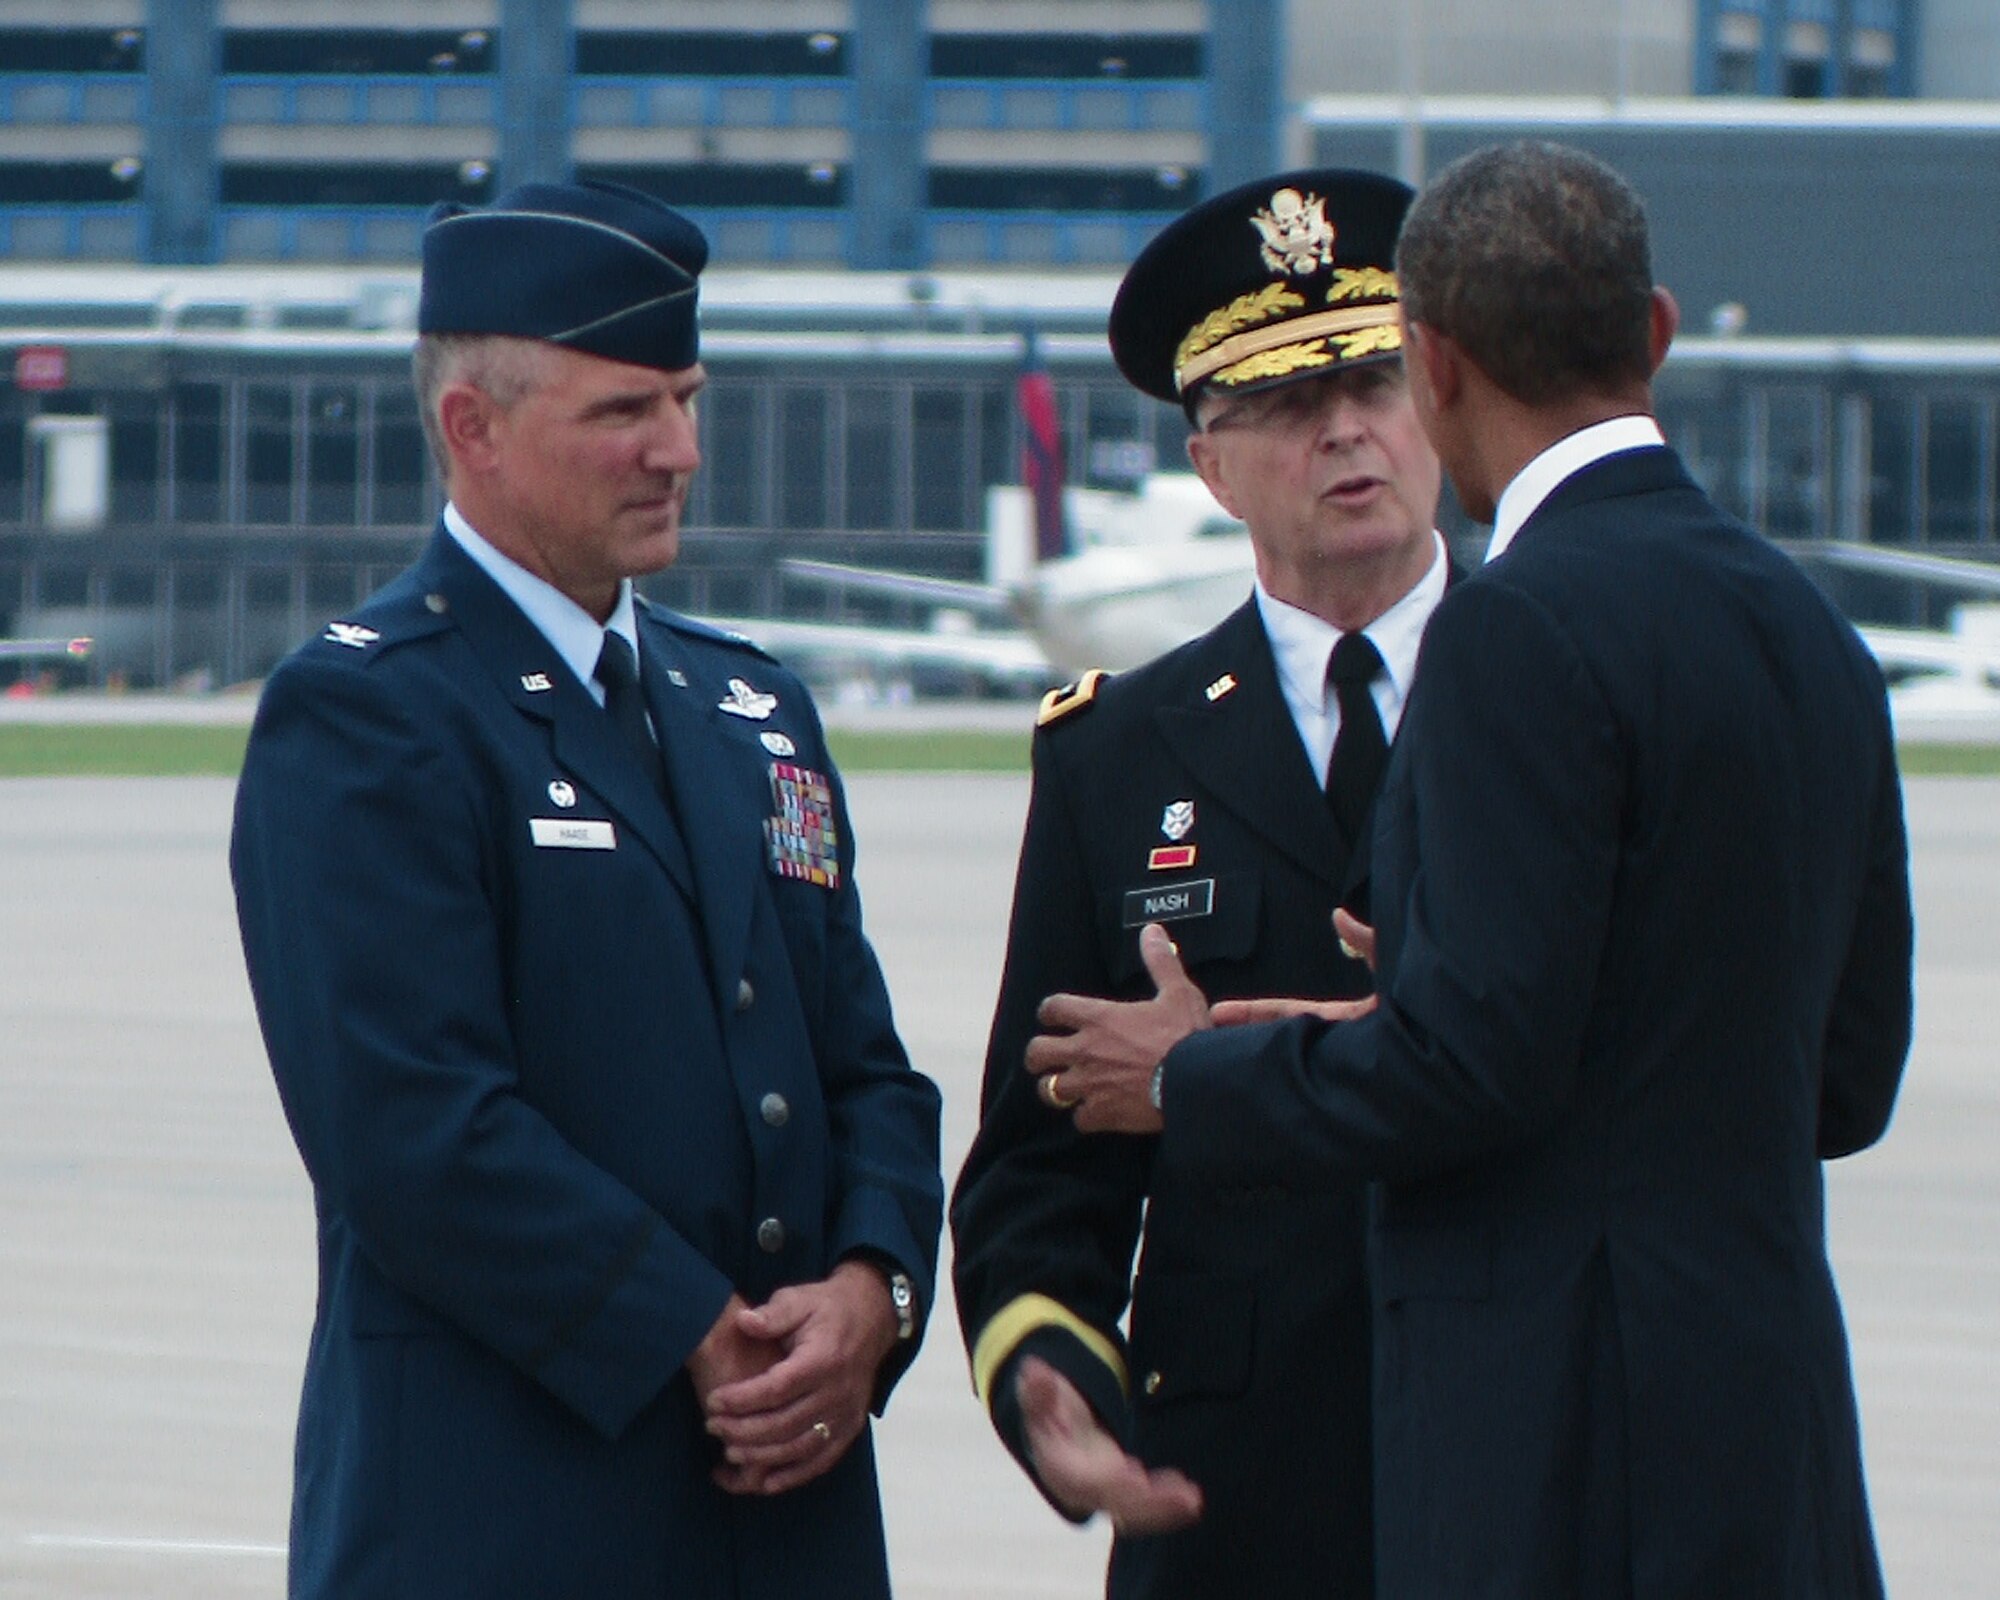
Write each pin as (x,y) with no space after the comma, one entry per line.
(1095,1058)
(785,1386)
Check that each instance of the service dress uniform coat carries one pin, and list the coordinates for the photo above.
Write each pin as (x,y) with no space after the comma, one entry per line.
(1180,793)
(1644,942)
(566,1065)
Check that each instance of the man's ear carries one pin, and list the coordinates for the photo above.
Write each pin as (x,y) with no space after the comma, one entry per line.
(1434,359)
(1206,460)
(1666,321)
(466,421)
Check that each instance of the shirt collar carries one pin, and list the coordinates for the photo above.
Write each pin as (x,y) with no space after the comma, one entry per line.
(1302,643)
(576,635)
(1563,460)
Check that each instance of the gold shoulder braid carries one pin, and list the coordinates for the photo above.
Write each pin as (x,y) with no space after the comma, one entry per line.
(1245,311)
(1071,697)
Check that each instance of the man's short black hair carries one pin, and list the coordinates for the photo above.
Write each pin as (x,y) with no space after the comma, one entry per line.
(1533,258)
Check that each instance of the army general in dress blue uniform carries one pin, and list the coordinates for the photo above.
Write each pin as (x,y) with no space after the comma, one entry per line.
(1222,789)
(627,1196)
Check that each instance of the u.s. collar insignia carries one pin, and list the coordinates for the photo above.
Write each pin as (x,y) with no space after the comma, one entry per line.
(1297,238)
(562,793)
(777,743)
(535,682)
(1221,686)
(1177,821)
(352,634)
(744,701)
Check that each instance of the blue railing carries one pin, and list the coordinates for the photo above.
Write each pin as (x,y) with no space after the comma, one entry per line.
(106,232)
(741,236)
(398,100)
(600,102)
(1064,105)
(1039,238)
(392,234)
(31,99)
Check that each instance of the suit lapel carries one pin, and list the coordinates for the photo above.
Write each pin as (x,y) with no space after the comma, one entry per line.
(537,683)
(1244,749)
(721,795)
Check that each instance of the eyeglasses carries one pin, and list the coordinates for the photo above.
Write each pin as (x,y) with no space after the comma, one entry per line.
(1295,407)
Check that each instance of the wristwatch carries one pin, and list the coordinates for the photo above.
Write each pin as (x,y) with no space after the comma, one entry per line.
(1153,1089)
(903,1297)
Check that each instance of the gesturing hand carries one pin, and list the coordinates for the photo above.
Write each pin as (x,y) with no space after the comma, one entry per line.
(1098,1056)
(792,1421)
(1357,939)
(1083,1467)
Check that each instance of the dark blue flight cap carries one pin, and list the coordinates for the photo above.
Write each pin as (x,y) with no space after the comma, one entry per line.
(595,267)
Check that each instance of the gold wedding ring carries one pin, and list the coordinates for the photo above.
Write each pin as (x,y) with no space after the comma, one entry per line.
(1052,1093)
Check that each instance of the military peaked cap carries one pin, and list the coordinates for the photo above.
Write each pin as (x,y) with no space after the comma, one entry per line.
(1289,277)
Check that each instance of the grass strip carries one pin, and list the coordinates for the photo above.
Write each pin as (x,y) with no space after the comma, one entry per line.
(1948,760)
(163,750)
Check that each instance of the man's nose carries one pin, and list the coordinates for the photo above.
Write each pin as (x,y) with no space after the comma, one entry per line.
(675,442)
(1342,420)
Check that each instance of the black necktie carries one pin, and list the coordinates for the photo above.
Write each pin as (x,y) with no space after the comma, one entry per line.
(1360,752)
(625,704)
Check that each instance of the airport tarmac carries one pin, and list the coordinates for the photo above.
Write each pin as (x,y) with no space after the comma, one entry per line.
(155,1228)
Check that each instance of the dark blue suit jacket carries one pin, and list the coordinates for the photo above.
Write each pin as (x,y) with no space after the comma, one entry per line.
(533,1084)
(1641,891)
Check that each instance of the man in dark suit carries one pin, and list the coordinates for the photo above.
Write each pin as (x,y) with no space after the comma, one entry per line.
(627,1195)
(1227,1439)
(1644,961)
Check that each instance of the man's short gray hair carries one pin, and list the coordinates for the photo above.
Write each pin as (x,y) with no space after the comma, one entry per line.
(504,367)
(1533,258)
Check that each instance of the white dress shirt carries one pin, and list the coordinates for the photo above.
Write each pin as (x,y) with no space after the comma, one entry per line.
(1302,645)
(575,634)
(1563,460)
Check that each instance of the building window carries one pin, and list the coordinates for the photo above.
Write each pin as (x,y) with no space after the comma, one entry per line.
(354,52)
(73,49)
(31,183)
(655,53)
(1066,55)
(1061,189)
(291,184)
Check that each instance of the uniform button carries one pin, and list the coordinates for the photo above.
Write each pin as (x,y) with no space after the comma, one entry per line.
(436,604)
(775,1110)
(1153,1382)
(770,1236)
(746,996)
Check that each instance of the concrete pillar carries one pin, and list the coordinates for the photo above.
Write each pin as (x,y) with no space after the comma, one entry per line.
(182,177)
(891,60)
(1246,96)
(537,67)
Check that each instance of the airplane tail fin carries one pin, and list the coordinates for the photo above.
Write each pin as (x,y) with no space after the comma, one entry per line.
(1041,449)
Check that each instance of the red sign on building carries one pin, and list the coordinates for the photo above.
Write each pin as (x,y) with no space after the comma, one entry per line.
(41,366)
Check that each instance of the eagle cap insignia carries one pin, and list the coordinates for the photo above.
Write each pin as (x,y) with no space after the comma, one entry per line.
(1297,238)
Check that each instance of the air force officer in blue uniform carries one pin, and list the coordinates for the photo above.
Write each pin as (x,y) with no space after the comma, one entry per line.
(627,1196)
(1643,957)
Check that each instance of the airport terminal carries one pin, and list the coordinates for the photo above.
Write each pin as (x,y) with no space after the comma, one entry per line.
(211,210)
